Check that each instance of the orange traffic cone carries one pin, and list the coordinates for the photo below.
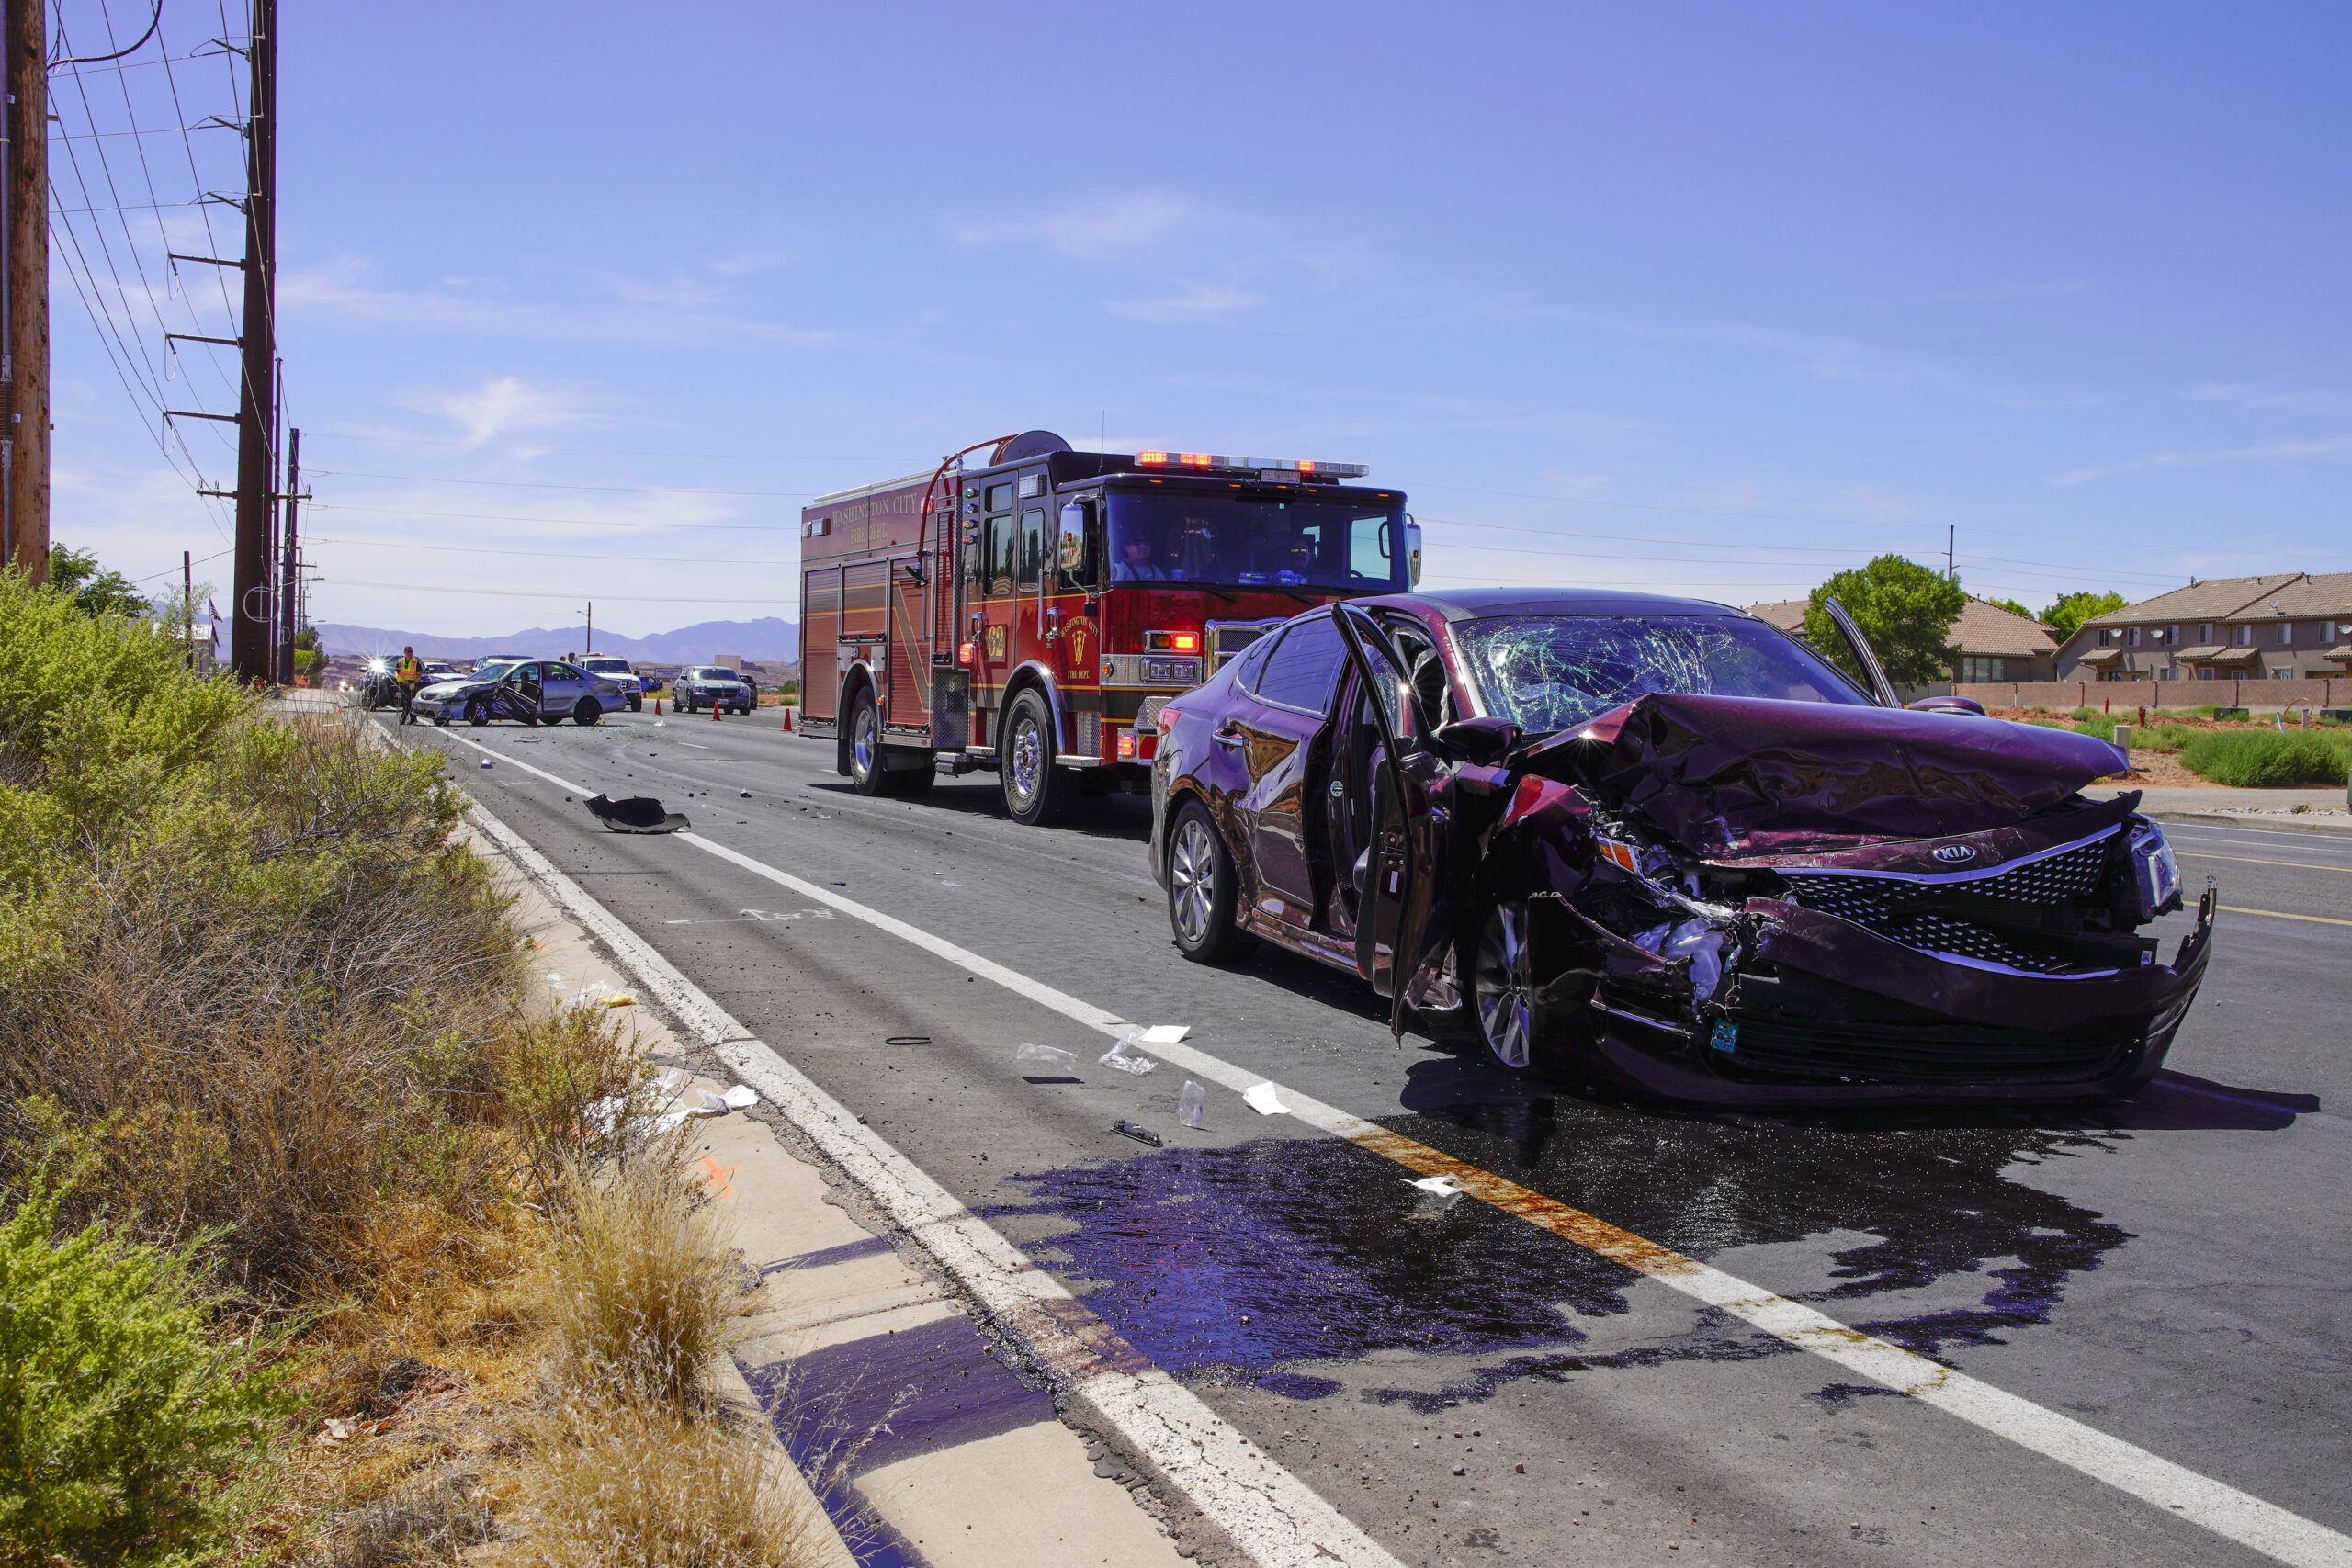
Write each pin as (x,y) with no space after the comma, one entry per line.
(657,707)
(714,710)
(787,719)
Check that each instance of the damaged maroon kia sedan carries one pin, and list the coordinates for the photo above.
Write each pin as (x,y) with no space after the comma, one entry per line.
(1659,844)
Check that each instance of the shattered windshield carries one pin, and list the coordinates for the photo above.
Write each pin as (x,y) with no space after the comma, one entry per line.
(1554,673)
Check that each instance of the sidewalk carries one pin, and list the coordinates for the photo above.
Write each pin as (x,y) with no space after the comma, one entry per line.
(868,1367)
(2315,810)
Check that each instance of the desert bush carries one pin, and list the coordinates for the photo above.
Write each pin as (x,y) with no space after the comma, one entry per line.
(126,1422)
(633,1485)
(2260,759)
(647,1293)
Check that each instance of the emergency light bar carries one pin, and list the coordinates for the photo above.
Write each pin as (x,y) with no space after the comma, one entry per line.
(1303,467)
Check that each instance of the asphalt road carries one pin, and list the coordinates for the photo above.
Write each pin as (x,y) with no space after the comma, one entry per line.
(1462,1385)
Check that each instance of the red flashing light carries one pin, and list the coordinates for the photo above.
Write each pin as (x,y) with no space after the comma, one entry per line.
(1151,457)
(1126,745)
(1198,459)
(964,653)
(1187,642)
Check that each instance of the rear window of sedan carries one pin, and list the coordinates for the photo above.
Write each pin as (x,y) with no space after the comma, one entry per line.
(1552,673)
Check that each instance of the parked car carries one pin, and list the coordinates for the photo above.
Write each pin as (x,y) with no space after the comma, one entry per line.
(621,673)
(1659,844)
(531,691)
(699,687)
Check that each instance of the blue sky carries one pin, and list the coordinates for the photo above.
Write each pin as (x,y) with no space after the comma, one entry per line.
(1705,299)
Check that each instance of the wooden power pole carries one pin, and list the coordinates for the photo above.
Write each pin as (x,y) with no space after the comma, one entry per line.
(250,653)
(24,293)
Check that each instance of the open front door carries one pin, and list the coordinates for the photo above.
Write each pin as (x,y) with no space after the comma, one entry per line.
(1864,655)
(1408,851)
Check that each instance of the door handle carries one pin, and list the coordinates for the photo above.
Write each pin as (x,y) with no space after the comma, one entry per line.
(1225,734)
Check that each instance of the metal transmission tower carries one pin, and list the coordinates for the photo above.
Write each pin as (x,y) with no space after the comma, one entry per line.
(250,653)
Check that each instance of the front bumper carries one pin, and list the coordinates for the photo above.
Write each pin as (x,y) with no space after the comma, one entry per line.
(1827,1011)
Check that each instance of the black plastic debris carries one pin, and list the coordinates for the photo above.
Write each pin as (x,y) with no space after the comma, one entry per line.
(908,1040)
(1141,1134)
(638,814)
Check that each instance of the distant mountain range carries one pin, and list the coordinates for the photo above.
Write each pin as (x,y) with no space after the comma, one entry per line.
(763,641)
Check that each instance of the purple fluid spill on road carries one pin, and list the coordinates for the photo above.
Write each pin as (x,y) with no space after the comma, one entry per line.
(1329,1255)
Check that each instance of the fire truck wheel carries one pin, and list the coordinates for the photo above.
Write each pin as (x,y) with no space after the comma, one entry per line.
(1201,886)
(867,774)
(1034,792)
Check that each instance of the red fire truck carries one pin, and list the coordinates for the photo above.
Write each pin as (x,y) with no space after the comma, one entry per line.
(1027,608)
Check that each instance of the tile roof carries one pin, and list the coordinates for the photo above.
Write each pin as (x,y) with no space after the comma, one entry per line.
(1786,614)
(2214,599)
(1985,628)
(2328,593)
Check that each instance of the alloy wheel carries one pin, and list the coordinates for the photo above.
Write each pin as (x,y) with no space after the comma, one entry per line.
(1028,759)
(1192,880)
(861,744)
(1503,981)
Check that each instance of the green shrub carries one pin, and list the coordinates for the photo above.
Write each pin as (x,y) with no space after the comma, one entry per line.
(2257,759)
(126,1423)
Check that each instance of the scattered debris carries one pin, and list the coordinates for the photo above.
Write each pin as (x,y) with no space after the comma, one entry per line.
(1118,1055)
(1166,1033)
(1443,1186)
(1261,1099)
(742,1096)
(485,762)
(1048,1055)
(908,1040)
(743,794)
(1191,1103)
(638,814)
(1140,1134)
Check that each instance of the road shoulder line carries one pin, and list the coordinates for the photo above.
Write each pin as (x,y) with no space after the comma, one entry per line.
(1267,1512)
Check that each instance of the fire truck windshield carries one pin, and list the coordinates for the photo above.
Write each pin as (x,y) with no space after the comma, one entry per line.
(1239,542)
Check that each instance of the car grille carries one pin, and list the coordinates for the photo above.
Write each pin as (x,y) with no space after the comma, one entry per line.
(1872,902)
(1892,1053)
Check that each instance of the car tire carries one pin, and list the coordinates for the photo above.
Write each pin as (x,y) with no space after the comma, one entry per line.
(477,711)
(441,720)
(585,712)
(1503,985)
(636,705)
(1204,888)
(867,774)
(1035,792)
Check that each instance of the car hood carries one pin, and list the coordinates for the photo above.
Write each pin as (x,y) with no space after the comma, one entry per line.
(1754,775)
(455,687)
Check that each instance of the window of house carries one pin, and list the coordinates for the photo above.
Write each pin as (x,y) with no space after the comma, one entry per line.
(2245,636)
(2282,672)
(2205,631)
(2286,633)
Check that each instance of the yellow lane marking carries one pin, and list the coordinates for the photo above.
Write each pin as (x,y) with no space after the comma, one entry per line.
(2283,915)
(2249,860)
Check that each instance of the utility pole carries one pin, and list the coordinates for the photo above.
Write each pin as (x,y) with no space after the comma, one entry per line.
(1952,532)
(250,654)
(187,607)
(24,292)
(290,592)
(592,625)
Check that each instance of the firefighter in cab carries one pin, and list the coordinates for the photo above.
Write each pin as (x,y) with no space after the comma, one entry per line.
(409,674)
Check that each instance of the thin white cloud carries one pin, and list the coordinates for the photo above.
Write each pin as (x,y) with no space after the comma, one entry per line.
(502,407)
(2264,452)
(1190,303)
(1093,230)
(662,318)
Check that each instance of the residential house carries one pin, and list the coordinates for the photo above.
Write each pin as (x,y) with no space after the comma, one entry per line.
(2284,627)
(1995,644)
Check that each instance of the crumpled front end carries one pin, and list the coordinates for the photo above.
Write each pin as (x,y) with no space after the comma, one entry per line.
(1740,954)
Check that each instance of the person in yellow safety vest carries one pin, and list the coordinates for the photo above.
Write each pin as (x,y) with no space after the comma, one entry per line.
(410,674)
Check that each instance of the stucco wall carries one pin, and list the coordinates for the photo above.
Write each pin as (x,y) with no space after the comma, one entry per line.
(2334,692)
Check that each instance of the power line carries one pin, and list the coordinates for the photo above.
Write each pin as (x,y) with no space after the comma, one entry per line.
(525,593)
(542,555)
(547,484)
(566,521)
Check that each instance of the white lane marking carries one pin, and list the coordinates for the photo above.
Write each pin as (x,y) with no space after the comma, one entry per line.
(1264,1509)
(2223,1509)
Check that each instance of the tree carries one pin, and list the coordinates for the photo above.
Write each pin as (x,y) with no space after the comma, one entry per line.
(2013,608)
(95,589)
(1904,609)
(2066,617)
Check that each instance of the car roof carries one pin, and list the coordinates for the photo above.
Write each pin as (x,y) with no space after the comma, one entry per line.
(1476,603)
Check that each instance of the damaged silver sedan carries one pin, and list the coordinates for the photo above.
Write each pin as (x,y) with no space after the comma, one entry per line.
(1658,844)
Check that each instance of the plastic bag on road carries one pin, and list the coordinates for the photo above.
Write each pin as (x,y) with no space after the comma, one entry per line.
(1191,1103)
(1052,1056)
(1264,1100)
(1120,1055)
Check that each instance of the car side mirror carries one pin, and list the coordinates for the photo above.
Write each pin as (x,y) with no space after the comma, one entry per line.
(1484,741)
(1070,535)
(1413,550)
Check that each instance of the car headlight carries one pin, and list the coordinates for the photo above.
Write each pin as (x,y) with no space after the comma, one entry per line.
(2155,874)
